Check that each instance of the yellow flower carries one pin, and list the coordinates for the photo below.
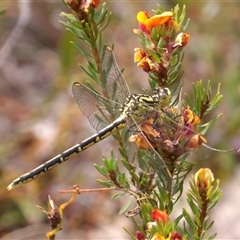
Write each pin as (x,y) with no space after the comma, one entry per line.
(142,17)
(204,177)
(158,20)
(139,54)
(190,117)
(158,236)
(142,139)
(146,23)
(147,65)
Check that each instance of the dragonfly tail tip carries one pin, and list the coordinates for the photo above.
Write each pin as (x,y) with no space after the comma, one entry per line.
(10,186)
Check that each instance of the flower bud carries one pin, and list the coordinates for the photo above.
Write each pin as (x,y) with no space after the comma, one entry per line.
(181,40)
(139,235)
(204,177)
(195,141)
(141,141)
(159,215)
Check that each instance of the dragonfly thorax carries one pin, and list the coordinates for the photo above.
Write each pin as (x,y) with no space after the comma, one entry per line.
(141,105)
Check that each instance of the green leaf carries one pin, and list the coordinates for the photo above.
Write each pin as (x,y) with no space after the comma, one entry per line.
(126,206)
(184,28)
(214,104)
(105,183)
(193,206)
(87,72)
(104,26)
(189,219)
(82,50)
(70,17)
(207,125)
(209,225)
(212,237)
(118,195)
(102,170)
(115,165)
(130,234)
(178,219)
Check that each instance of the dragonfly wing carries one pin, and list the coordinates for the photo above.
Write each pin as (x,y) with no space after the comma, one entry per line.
(92,105)
(113,82)
(199,154)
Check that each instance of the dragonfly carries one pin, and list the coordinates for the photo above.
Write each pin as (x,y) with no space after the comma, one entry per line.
(97,108)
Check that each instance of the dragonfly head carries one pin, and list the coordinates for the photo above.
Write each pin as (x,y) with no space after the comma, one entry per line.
(164,95)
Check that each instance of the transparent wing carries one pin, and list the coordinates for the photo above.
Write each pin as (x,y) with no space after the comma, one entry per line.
(199,154)
(95,107)
(113,83)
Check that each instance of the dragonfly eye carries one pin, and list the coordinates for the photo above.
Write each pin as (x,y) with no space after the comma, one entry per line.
(165,96)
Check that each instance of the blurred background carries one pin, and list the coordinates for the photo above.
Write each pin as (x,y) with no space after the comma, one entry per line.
(39,118)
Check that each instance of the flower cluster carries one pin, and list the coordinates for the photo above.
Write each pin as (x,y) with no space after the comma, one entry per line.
(173,133)
(155,229)
(82,7)
(160,38)
(172,130)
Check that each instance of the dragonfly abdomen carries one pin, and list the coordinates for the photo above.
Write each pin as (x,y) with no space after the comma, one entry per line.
(118,124)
